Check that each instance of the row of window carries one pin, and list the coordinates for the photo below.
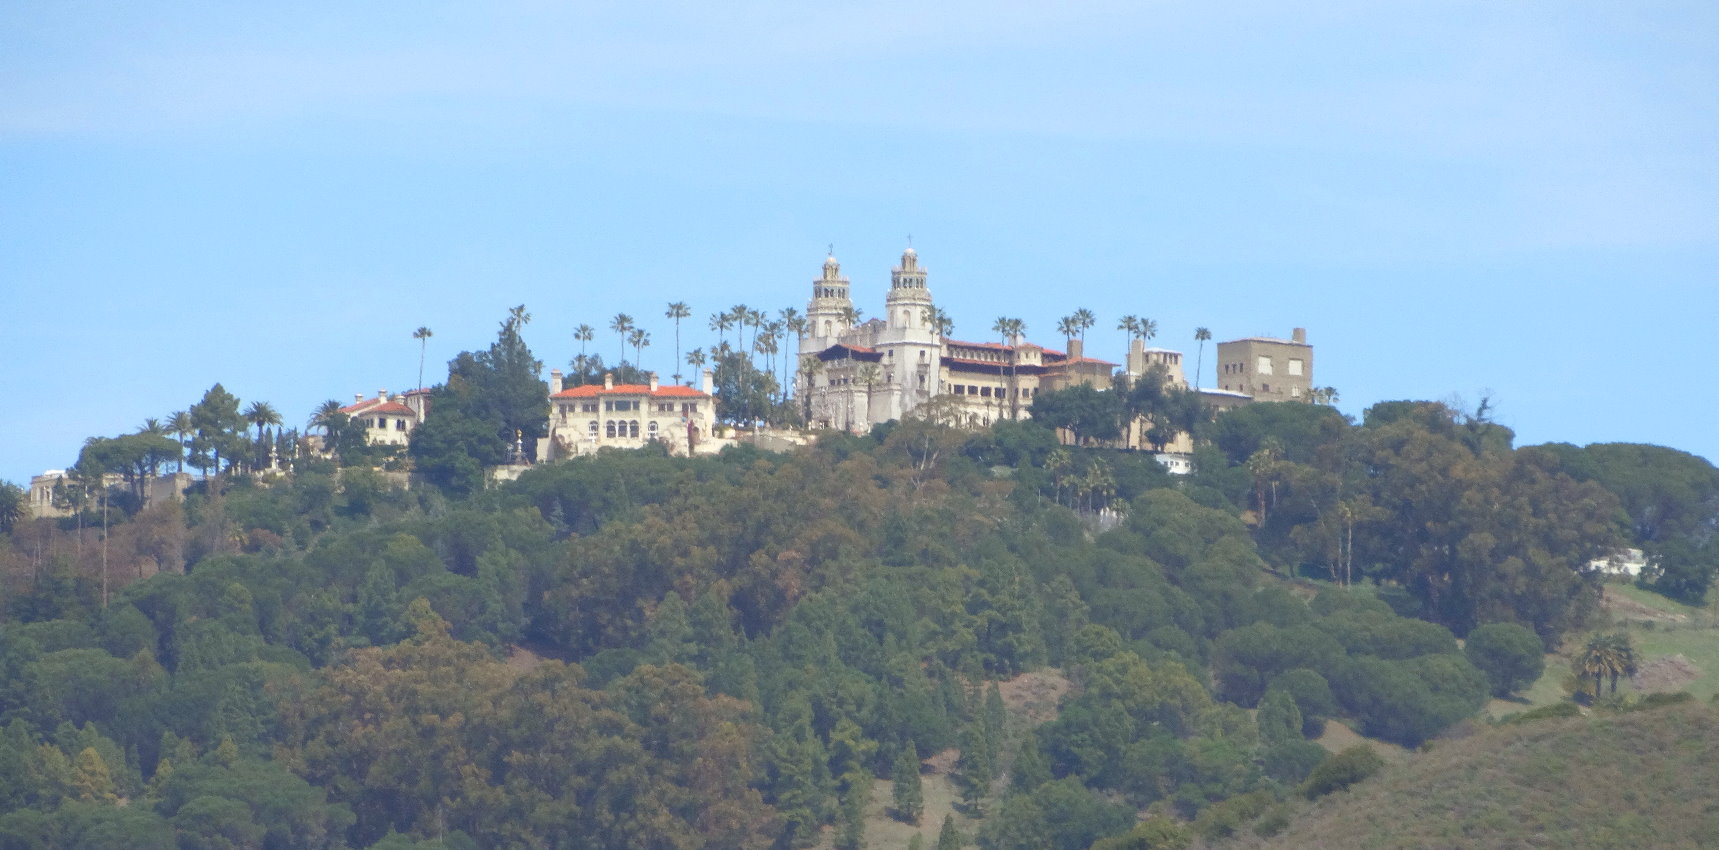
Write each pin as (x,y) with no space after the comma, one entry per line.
(624,406)
(622,428)
(1296,367)
(382,422)
(987,392)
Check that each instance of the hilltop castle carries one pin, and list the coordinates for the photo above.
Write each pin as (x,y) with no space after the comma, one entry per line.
(854,375)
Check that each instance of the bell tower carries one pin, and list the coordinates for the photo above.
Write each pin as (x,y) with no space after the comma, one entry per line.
(908,304)
(829,312)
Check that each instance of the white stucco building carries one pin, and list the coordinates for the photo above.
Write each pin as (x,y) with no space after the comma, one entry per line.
(586,418)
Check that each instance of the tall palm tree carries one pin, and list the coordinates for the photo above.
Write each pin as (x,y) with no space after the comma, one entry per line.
(1086,320)
(640,340)
(1200,336)
(766,344)
(1011,330)
(422,335)
(939,321)
(622,325)
(584,334)
(677,310)
(1131,324)
(1068,326)
(262,414)
(1147,330)
(695,358)
(720,322)
(851,315)
(755,318)
(810,368)
(180,425)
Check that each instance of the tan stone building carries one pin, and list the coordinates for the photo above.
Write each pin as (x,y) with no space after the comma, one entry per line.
(586,418)
(1267,369)
(853,376)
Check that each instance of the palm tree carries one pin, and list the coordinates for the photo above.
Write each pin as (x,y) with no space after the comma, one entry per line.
(261,414)
(766,345)
(584,334)
(327,417)
(1131,324)
(695,359)
(810,368)
(180,425)
(422,335)
(1068,326)
(640,339)
(1086,319)
(517,318)
(851,315)
(1011,330)
(939,321)
(720,323)
(1200,336)
(677,310)
(622,324)
(755,318)
(1610,655)
(1147,330)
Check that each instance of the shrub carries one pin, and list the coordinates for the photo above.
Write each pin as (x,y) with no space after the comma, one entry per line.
(1510,655)
(1341,771)
(1545,712)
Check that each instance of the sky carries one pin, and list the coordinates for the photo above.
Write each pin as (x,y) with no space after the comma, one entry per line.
(1458,200)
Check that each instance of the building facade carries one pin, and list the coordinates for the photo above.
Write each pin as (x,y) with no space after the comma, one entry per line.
(854,375)
(1266,368)
(587,418)
(389,420)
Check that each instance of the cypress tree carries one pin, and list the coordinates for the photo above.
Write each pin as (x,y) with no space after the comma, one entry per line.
(949,838)
(909,794)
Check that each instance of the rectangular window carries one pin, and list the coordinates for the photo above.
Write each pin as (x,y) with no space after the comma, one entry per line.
(1295,392)
(1295,367)
(399,424)
(1264,365)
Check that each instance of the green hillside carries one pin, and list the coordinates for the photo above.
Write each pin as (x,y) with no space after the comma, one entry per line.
(1638,779)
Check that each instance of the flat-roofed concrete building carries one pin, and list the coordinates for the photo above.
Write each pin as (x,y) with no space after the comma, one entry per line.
(1267,368)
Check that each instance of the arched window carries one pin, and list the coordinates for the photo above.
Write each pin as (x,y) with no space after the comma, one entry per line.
(609,428)
(635,428)
(826,327)
(653,430)
(593,428)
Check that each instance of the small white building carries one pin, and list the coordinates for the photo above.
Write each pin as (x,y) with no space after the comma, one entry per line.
(389,420)
(586,418)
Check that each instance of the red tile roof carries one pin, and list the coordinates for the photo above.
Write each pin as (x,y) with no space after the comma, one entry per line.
(662,391)
(378,406)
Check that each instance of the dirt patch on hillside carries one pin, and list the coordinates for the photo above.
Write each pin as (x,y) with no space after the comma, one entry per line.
(521,659)
(1665,674)
(1624,608)
(1032,698)
(941,764)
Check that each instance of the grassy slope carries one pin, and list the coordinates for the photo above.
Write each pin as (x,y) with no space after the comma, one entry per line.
(1631,780)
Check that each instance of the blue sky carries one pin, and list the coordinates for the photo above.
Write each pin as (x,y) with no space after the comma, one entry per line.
(1454,198)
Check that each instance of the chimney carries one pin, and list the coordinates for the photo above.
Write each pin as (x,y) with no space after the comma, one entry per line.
(1076,348)
(357,397)
(1299,335)
(554,381)
(709,383)
(608,380)
(381,395)
(653,382)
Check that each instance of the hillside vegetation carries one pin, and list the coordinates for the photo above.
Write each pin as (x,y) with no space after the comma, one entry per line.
(1630,780)
(631,650)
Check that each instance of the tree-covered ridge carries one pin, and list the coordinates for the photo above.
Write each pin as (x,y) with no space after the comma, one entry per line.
(741,645)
